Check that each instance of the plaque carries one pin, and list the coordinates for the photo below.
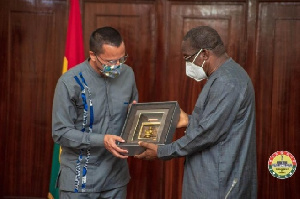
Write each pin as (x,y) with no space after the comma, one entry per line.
(153,122)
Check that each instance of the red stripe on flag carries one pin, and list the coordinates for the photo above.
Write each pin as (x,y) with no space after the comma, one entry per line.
(74,46)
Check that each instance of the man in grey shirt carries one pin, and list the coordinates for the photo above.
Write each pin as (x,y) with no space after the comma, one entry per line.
(219,144)
(89,110)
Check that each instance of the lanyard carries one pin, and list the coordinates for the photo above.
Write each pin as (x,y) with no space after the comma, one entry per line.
(84,87)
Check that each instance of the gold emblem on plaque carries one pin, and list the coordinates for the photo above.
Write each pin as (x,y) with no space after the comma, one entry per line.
(148,130)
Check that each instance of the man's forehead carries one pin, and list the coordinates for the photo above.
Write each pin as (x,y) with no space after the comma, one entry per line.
(109,47)
(186,46)
(111,51)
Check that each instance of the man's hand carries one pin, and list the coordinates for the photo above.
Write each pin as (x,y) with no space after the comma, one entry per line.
(150,153)
(183,119)
(110,145)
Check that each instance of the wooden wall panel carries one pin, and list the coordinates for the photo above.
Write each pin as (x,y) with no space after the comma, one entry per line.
(277,93)
(34,61)
(27,120)
(262,36)
(4,85)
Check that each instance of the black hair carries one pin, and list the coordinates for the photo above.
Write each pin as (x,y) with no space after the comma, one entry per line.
(104,35)
(205,37)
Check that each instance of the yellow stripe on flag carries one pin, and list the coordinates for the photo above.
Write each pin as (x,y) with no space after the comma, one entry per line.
(65,65)
(50,196)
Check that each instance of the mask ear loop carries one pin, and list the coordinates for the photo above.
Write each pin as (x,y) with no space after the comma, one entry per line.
(203,63)
(197,55)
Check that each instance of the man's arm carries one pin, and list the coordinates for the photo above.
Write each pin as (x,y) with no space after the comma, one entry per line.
(217,118)
(183,119)
(63,127)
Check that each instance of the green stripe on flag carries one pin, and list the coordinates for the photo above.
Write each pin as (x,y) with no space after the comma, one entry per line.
(53,191)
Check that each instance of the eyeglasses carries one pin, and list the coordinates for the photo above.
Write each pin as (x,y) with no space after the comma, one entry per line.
(187,58)
(190,56)
(122,60)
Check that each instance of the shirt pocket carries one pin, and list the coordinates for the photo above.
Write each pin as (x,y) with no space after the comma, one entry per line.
(120,106)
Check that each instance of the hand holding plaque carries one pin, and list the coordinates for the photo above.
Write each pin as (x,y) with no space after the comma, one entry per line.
(149,122)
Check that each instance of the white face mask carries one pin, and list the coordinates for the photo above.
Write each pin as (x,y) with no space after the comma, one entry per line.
(194,71)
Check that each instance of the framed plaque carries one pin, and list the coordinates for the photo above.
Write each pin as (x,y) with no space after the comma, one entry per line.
(153,122)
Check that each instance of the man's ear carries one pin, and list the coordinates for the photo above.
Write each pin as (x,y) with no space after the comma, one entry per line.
(92,56)
(205,54)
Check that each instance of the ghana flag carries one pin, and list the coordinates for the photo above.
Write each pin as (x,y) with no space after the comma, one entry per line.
(74,54)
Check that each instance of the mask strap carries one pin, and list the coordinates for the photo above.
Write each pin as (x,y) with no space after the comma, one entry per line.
(202,64)
(197,55)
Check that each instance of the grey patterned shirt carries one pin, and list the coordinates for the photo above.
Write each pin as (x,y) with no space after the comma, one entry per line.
(110,98)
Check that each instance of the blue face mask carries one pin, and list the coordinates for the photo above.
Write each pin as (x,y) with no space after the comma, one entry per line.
(111,71)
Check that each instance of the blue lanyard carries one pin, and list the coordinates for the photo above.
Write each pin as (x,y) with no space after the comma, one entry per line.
(84,87)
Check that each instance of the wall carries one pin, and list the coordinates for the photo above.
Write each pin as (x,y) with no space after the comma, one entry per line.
(263,36)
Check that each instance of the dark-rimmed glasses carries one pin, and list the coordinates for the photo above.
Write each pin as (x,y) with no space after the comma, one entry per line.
(189,56)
